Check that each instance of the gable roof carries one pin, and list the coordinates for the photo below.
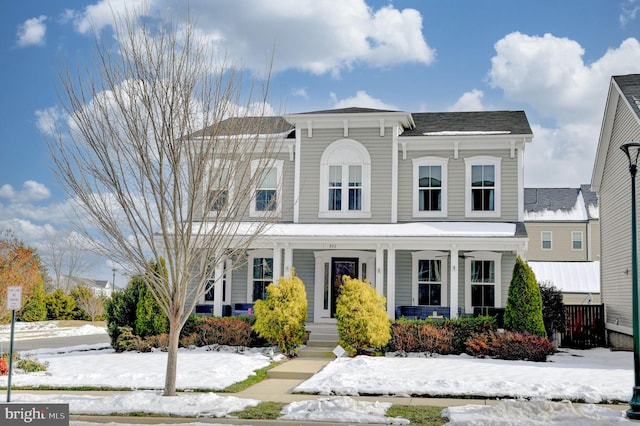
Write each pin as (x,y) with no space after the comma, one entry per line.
(234,126)
(560,204)
(626,87)
(479,122)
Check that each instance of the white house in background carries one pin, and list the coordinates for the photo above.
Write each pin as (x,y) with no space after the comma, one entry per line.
(99,287)
(426,207)
(563,225)
(612,181)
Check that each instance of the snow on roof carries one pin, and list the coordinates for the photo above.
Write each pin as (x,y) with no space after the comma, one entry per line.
(420,229)
(467,133)
(569,277)
(578,212)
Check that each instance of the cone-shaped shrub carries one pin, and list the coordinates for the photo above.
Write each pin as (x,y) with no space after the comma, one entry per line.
(523,312)
(363,322)
(281,316)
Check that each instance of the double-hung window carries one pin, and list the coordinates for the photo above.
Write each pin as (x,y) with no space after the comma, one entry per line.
(429,278)
(267,191)
(261,277)
(546,240)
(345,180)
(218,191)
(482,283)
(482,186)
(430,187)
(576,240)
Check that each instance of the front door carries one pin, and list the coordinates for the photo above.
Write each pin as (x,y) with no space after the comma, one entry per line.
(341,266)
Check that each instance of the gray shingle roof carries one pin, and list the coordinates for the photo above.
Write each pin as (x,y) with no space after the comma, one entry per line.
(560,199)
(247,125)
(514,122)
(630,87)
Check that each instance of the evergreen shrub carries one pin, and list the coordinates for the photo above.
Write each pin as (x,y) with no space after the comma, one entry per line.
(280,318)
(60,305)
(554,314)
(363,323)
(523,312)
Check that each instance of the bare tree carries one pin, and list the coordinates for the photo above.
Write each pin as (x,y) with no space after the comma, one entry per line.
(66,258)
(88,301)
(157,166)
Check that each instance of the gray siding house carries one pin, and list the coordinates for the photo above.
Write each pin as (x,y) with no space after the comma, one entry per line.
(612,181)
(426,207)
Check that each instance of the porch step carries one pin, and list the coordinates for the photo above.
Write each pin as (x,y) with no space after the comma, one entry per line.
(322,341)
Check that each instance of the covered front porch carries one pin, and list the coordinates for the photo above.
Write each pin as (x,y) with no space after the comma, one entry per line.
(454,267)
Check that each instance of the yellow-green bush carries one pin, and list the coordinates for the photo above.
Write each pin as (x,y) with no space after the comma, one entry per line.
(363,322)
(281,316)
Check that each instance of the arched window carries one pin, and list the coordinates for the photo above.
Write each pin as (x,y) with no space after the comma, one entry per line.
(345,180)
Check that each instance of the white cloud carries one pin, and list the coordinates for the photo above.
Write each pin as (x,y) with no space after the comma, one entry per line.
(301,92)
(31,191)
(469,101)
(629,12)
(337,34)
(47,119)
(362,100)
(549,75)
(32,32)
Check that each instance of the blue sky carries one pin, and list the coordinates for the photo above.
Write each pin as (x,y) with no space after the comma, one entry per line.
(552,59)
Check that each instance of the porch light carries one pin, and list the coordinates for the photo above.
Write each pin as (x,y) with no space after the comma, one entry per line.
(632,151)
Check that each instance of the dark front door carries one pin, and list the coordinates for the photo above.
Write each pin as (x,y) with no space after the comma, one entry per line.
(341,266)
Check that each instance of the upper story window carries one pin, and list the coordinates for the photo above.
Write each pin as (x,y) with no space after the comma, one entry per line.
(546,240)
(430,187)
(576,240)
(267,192)
(345,180)
(482,184)
(218,192)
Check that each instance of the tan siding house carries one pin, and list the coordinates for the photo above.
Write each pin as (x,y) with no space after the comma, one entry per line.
(612,181)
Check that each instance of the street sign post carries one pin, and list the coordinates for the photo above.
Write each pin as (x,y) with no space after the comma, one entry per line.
(14,303)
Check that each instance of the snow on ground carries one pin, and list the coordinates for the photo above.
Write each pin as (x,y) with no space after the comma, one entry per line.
(592,376)
(44,329)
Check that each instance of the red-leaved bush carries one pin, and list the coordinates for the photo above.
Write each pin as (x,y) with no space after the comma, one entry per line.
(511,346)
(4,367)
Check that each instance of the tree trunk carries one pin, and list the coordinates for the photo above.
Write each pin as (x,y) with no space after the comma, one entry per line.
(172,357)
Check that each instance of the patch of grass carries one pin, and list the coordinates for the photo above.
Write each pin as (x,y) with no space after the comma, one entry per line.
(262,411)
(419,415)
(260,375)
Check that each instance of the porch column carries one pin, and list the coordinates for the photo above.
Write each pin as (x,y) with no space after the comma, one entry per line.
(217,289)
(288,261)
(380,270)
(391,282)
(453,302)
(277,264)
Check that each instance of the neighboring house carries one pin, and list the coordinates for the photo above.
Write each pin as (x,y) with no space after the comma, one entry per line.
(426,207)
(99,287)
(564,240)
(611,180)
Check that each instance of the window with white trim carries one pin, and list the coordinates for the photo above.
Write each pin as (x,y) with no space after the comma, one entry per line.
(345,180)
(210,294)
(260,272)
(482,281)
(482,185)
(546,240)
(219,190)
(430,187)
(267,193)
(576,240)
(429,269)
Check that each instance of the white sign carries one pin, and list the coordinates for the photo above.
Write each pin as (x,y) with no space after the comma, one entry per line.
(14,298)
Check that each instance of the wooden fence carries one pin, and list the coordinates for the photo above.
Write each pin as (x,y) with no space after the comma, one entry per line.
(585,327)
